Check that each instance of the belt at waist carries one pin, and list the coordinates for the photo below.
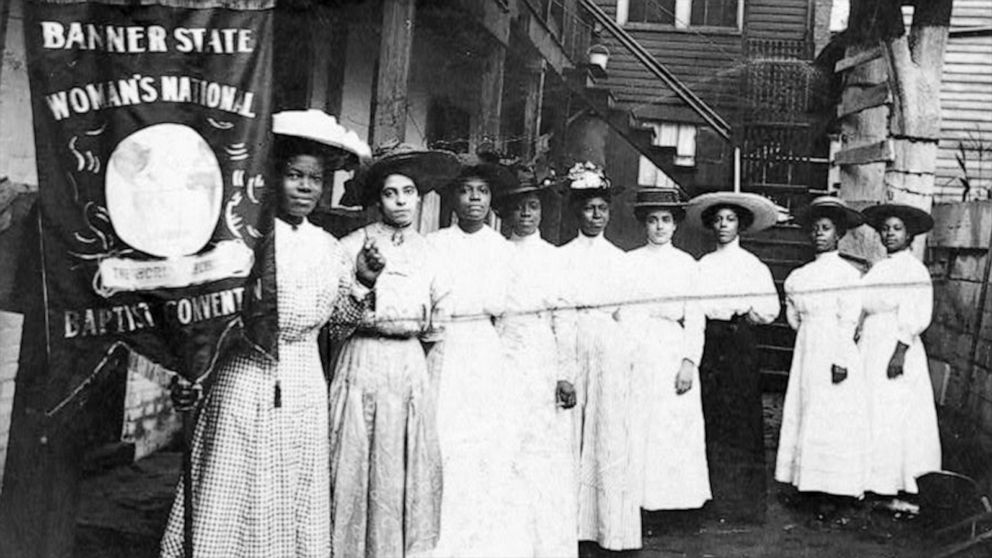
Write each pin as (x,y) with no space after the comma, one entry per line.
(377,334)
(736,319)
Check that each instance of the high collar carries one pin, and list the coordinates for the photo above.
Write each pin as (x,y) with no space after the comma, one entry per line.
(290,220)
(652,247)
(394,229)
(282,224)
(732,246)
(905,251)
(590,241)
(533,238)
(833,254)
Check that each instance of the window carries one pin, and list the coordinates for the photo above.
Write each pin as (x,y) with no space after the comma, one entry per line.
(651,11)
(714,13)
(680,136)
(681,13)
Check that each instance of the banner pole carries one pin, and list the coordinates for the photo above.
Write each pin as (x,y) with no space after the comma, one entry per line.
(185,397)
(188,424)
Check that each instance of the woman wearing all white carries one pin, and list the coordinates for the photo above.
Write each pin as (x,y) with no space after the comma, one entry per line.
(898,303)
(478,420)
(539,339)
(609,491)
(666,322)
(824,440)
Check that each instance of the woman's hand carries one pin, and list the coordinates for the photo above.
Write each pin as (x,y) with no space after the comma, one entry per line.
(565,394)
(837,373)
(897,361)
(369,264)
(184,395)
(683,381)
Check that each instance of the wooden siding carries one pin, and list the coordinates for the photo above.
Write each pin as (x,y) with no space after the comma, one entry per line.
(776,19)
(966,105)
(708,61)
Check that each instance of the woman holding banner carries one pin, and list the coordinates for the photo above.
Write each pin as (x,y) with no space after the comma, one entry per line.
(260,465)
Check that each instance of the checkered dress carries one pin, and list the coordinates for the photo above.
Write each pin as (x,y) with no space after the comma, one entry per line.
(261,472)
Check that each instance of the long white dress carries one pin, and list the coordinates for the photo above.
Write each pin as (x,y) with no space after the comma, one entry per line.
(540,340)
(478,416)
(260,463)
(385,459)
(667,325)
(905,442)
(824,441)
(609,491)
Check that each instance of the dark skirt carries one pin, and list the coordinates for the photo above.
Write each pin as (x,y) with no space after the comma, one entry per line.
(735,449)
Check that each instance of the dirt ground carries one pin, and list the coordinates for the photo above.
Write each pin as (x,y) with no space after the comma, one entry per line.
(124,510)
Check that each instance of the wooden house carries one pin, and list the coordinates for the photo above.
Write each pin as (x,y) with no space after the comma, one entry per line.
(739,106)
(964,159)
(453,74)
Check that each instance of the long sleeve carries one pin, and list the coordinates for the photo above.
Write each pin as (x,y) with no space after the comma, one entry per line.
(765,305)
(352,303)
(848,315)
(915,303)
(694,319)
(564,321)
(439,290)
(791,310)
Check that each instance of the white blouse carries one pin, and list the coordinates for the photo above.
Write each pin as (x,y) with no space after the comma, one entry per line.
(827,290)
(473,273)
(538,292)
(595,273)
(734,281)
(406,288)
(900,284)
(663,283)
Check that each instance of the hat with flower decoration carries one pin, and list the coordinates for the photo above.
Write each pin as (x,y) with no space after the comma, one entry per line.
(586,180)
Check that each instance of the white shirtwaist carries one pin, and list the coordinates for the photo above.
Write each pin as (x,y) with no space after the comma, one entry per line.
(905,443)
(825,436)
(609,491)
(540,344)
(737,290)
(666,323)
(734,281)
(478,400)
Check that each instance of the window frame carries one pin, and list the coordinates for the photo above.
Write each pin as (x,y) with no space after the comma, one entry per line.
(683,14)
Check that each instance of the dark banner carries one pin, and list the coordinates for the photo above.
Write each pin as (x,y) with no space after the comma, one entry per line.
(152,123)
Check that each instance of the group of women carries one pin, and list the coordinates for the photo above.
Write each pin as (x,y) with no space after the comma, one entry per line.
(504,397)
(859,413)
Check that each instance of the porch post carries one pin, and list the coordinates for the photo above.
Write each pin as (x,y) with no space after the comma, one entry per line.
(389,117)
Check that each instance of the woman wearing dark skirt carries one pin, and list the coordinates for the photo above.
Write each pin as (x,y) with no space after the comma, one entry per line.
(738,293)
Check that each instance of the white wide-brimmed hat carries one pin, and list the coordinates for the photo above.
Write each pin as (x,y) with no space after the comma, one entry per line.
(763,210)
(318,126)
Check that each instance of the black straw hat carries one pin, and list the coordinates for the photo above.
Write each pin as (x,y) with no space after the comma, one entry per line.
(916,220)
(428,168)
(834,209)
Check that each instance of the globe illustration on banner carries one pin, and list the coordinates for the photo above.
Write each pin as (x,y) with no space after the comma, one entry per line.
(164,190)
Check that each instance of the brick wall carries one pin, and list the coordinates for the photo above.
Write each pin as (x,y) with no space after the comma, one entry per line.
(957,254)
(150,422)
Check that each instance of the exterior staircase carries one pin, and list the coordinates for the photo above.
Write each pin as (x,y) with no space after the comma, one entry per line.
(782,248)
